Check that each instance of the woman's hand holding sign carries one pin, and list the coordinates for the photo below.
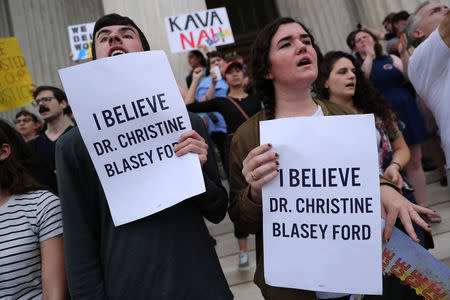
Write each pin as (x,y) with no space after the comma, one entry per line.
(191,141)
(259,167)
(394,205)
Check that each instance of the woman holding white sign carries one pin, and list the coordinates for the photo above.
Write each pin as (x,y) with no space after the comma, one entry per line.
(284,66)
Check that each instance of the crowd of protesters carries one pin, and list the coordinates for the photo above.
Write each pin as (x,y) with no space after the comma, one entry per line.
(57,237)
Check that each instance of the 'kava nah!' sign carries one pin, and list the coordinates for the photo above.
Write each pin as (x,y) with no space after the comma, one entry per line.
(210,27)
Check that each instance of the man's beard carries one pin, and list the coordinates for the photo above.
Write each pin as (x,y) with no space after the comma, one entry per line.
(51,118)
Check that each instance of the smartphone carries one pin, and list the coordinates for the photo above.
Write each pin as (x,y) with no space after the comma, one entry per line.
(216,70)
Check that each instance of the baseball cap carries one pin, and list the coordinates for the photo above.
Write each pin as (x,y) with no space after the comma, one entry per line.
(233,63)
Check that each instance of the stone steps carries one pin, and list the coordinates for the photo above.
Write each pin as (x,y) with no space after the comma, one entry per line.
(437,194)
(441,246)
(246,291)
(233,274)
(439,200)
(432,176)
(444,226)
(227,244)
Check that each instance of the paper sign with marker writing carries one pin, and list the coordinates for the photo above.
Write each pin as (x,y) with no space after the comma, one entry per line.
(131,114)
(209,27)
(80,37)
(321,214)
(15,80)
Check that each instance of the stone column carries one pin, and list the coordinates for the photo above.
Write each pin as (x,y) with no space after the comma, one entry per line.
(40,26)
(149,16)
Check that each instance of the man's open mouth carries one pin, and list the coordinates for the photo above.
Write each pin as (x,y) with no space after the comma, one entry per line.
(43,109)
(116,51)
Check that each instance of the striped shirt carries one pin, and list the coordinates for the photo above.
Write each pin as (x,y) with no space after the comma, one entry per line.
(26,221)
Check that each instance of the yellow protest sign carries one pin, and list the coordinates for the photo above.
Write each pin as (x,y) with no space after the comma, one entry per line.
(15,80)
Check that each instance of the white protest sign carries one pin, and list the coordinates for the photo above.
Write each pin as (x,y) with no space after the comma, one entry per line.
(131,114)
(321,214)
(209,27)
(80,37)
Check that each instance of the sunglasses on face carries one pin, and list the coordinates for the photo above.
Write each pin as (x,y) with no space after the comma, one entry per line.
(43,99)
(24,120)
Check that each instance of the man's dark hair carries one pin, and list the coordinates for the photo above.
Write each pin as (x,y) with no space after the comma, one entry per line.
(351,39)
(57,93)
(260,64)
(26,113)
(400,16)
(116,19)
(210,55)
(213,54)
(403,15)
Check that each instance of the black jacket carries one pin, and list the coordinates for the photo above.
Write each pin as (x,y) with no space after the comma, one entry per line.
(168,255)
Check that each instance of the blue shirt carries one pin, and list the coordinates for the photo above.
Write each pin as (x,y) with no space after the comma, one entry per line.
(221,91)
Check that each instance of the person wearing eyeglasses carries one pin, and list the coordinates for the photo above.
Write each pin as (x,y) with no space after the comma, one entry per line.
(51,103)
(27,124)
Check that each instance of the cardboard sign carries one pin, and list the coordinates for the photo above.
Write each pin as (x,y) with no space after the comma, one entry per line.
(15,80)
(321,214)
(209,27)
(131,114)
(80,37)
(416,267)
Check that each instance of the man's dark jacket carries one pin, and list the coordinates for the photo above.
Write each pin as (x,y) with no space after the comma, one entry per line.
(168,255)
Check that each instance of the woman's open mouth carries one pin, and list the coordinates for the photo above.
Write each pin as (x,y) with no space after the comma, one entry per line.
(304,62)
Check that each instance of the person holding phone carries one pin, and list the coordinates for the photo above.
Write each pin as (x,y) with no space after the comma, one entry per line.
(212,85)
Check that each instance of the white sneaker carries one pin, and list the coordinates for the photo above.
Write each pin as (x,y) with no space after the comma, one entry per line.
(243,260)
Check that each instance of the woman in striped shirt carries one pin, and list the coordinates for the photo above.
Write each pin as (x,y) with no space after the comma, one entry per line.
(31,243)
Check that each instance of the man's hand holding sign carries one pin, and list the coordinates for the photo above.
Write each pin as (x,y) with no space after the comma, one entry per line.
(191,141)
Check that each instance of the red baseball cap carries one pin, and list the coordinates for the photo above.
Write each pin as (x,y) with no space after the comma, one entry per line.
(233,63)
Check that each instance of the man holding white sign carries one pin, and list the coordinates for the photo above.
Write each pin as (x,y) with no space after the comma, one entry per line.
(168,255)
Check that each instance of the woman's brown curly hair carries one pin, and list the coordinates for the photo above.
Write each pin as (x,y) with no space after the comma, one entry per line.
(367,98)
